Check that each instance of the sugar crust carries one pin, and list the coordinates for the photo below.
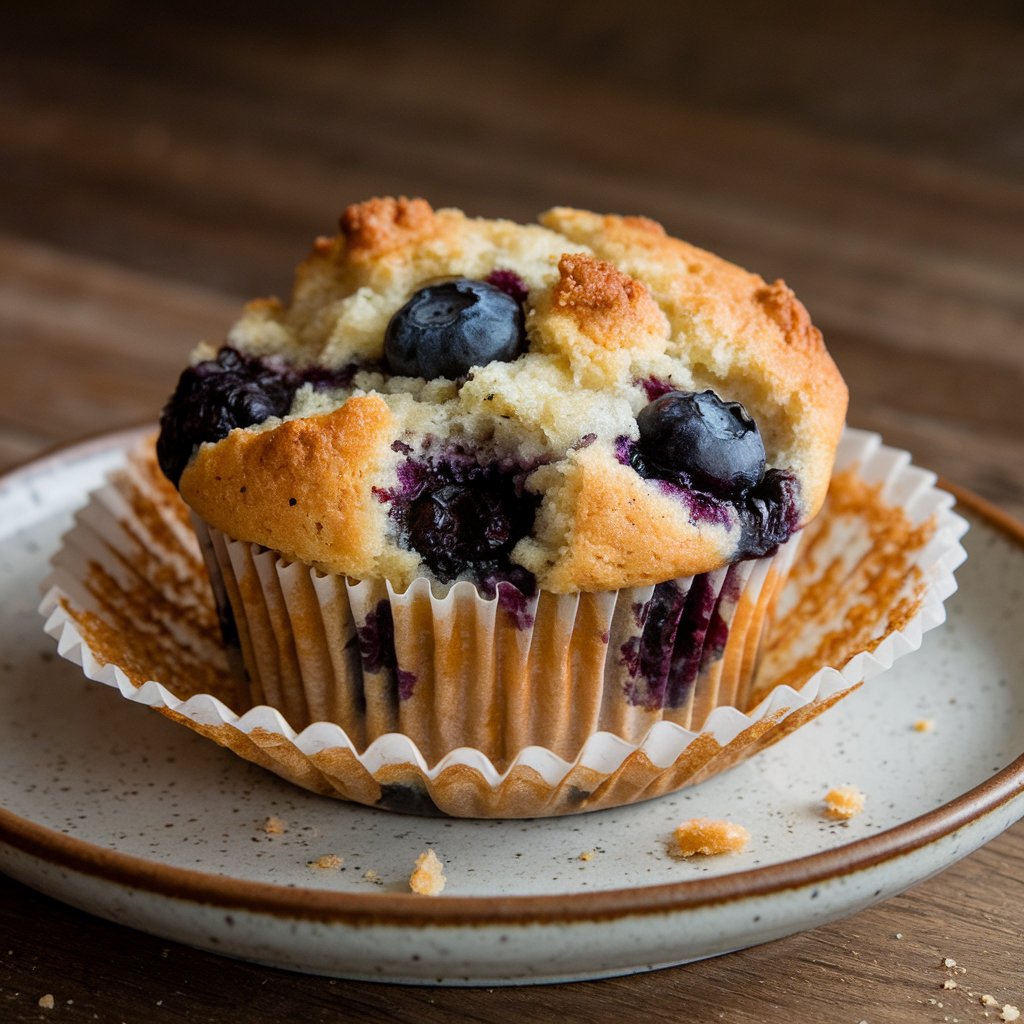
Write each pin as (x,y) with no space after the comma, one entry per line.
(612,301)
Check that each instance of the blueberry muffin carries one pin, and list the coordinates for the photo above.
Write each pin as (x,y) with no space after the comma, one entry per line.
(496,485)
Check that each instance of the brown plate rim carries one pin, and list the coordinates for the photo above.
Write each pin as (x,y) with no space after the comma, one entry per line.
(395,909)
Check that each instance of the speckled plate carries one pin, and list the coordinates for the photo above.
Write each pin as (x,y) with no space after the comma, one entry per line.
(117,811)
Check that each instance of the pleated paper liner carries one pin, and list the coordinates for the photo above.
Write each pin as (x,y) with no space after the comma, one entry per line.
(129,600)
(452,668)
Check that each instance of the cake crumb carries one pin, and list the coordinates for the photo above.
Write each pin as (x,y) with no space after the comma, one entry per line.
(587,855)
(273,826)
(949,962)
(924,725)
(428,878)
(899,935)
(328,862)
(46,1002)
(843,802)
(987,1000)
(372,876)
(708,838)
(949,983)
(1009,1013)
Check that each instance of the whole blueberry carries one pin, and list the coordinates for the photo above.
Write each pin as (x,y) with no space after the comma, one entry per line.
(697,439)
(446,329)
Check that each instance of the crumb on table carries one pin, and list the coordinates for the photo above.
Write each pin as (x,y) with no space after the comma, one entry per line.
(708,838)
(46,1002)
(428,878)
(924,725)
(273,826)
(1009,1013)
(843,802)
(987,1000)
(328,862)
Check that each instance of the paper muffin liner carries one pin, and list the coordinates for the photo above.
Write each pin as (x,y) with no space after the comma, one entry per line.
(495,707)
(451,667)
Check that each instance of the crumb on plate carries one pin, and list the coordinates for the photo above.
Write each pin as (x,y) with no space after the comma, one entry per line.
(328,862)
(587,855)
(372,876)
(708,838)
(273,826)
(924,725)
(428,878)
(843,802)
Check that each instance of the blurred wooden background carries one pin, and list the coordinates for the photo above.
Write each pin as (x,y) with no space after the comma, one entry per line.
(159,166)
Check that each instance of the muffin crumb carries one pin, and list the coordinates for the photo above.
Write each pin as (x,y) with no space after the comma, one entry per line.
(987,1000)
(708,838)
(843,803)
(274,826)
(924,725)
(428,879)
(372,876)
(46,1002)
(949,983)
(1009,1013)
(587,855)
(328,862)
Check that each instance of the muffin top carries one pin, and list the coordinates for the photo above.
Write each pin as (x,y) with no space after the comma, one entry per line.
(582,405)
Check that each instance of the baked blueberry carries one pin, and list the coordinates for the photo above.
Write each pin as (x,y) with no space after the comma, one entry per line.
(215,396)
(465,526)
(509,282)
(769,515)
(699,440)
(446,329)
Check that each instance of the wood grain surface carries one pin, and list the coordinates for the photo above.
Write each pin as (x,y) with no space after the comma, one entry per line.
(159,167)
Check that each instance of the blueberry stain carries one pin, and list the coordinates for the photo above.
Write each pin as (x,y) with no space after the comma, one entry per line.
(376,638)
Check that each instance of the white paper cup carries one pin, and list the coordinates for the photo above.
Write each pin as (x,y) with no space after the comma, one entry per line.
(490,707)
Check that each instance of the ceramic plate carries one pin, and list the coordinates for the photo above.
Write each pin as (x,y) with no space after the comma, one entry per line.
(115,810)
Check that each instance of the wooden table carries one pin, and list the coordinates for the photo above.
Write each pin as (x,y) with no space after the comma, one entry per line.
(157,172)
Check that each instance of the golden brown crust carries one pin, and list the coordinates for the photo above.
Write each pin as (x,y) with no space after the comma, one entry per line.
(304,488)
(613,518)
(791,315)
(383,224)
(610,307)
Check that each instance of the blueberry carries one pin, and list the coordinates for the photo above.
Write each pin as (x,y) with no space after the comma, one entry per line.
(464,526)
(770,514)
(215,396)
(446,329)
(701,441)
(509,282)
